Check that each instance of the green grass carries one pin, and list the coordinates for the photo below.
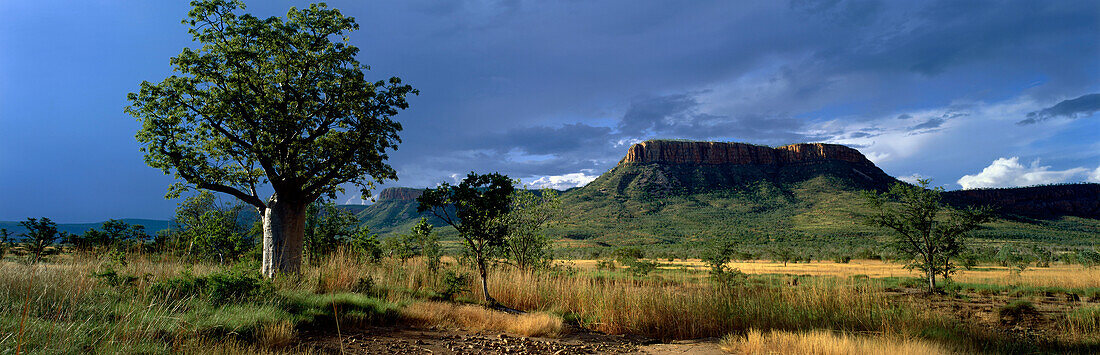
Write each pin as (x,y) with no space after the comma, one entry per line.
(68,311)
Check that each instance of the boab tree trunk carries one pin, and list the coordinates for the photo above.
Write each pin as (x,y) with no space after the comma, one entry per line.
(284,227)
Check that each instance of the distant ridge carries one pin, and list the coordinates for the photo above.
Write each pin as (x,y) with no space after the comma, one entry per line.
(1081,200)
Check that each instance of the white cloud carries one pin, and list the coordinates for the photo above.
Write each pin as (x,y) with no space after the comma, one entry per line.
(562,182)
(912,179)
(1095,176)
(1008,172)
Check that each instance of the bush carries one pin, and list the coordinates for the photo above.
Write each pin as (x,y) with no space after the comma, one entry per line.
(606,264)
(842,259)
(454,283)
(112,278)
(235,285)
(1016,308)
(641,268)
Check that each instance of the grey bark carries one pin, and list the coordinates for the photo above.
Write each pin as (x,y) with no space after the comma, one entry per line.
(284,227)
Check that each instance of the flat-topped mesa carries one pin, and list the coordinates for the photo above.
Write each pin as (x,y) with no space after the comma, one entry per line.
(688,152)
(399,194)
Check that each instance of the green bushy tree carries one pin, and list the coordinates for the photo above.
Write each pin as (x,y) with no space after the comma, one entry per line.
(280,101)
(39,238)
(5,242)
(927,231)
(326,228)
(428,242)
(212,230)
(526,245)
(473,208)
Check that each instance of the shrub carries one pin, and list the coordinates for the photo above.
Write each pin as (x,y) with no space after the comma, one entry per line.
(454,283)
(606,264)
(228,286)
(641,268)
(112,278)
(1016,309)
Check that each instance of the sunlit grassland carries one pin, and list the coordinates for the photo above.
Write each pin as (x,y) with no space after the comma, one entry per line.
(1067,276)
(60,307)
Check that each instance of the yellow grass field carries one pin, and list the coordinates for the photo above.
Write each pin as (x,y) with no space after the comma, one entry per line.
(1056,275)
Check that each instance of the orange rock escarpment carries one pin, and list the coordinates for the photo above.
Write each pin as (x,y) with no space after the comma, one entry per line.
(399,194)
(686,152)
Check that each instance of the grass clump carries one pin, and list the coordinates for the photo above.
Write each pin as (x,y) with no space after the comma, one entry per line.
(477,317)
(820,342)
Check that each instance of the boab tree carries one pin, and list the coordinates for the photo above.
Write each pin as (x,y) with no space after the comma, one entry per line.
(270,101)
(928,232)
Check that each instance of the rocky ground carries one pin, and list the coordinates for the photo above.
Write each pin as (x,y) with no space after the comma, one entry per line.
(407,340)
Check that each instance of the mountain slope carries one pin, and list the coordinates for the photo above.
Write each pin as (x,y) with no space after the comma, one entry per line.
(675,193)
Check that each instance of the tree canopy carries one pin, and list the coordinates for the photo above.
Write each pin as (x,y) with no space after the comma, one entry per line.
(269,101)
(280,101)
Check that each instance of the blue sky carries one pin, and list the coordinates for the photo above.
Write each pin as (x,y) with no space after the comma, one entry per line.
(970,94)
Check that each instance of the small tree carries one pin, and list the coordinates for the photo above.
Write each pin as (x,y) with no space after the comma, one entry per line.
(5,242)
(526,246)
(781,254)
(211,229)
(718,258)
(365,244)
(326,227)
(928,232)
(473,208)
(429,244)
(112,234)
(39,238)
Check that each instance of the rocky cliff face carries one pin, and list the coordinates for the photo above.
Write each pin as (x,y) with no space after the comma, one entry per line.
(717,153)
(399,194)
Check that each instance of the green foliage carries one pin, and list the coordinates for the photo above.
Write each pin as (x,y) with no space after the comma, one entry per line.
(276,97)
(5,242)
(365,245)
(211,230)
(474,208)
(640,268)
(914,215)
(1087,257)
(1015,257)
(38,240)
(428,242)
(112,235)
(783,254)
(454,283)
(401,246)
(281,101)
(527,246)
(235,285)
(326,228)
(717,259)
(111,277)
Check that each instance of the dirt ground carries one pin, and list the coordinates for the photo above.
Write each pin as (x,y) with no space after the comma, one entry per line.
(408,340)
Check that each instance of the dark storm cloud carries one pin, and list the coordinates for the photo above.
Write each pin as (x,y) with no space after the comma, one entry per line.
(1073,108)
(533,88)
(540,140)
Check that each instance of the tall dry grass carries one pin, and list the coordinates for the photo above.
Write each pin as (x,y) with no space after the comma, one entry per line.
(481,318)
(820,342)
(678,307)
